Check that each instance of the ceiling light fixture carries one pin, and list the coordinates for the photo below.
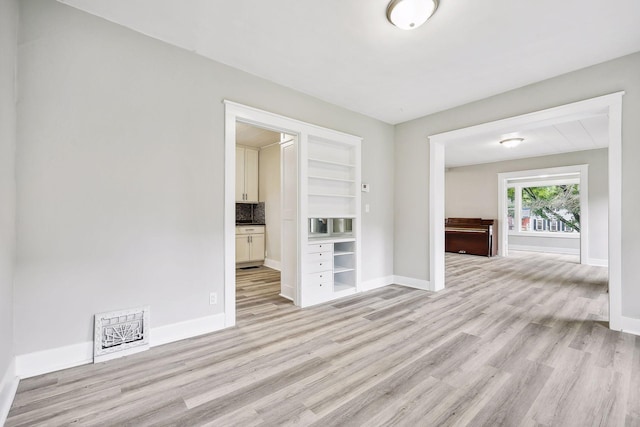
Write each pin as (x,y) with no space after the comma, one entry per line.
(511,142)
(410,14)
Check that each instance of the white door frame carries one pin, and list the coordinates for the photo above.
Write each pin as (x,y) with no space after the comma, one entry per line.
(237,112)
(583,173)
(608,104)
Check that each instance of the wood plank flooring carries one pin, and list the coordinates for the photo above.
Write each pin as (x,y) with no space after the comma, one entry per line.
(518,341)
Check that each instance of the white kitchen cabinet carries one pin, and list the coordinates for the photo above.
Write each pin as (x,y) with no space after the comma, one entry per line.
(246,175)
(250,244)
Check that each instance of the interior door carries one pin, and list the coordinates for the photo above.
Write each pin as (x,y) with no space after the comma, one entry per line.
(289,200)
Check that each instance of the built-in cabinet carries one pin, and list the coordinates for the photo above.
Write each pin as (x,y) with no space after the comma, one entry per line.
(330,267)
(246,174)
(250,244)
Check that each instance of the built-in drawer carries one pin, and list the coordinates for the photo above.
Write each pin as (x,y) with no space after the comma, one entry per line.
(321,277)
(250,229)
(320,256)
(315,293)
(318,266)
(320,247)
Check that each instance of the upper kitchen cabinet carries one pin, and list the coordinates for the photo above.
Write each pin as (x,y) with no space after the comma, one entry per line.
(246,175)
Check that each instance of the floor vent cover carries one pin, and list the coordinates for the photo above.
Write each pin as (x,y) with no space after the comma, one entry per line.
(120,333)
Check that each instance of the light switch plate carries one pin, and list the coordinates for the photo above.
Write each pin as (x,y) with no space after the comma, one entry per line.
(365,188)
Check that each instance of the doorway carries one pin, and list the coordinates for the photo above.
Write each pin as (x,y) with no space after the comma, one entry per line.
(611,106)
(253,121)
(259,186)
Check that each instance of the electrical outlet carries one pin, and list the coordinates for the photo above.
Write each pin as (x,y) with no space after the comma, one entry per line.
(213,298)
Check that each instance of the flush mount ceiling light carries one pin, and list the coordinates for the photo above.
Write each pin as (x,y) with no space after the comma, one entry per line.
(511,142)
(410,14)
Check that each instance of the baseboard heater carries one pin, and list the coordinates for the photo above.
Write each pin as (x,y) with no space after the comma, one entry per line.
(121,333)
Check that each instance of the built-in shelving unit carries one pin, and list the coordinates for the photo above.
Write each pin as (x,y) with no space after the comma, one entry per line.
(331,172)
(331,190)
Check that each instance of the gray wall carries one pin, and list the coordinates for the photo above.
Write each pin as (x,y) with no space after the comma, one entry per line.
(472,191)
(412,160)
(121,174)
(8,43)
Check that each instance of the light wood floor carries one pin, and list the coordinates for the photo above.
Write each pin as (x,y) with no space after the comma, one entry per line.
(518,341)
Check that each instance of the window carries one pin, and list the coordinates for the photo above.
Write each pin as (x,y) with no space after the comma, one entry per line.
(545,207)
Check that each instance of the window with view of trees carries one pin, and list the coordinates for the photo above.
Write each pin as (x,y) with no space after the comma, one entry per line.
(539,208)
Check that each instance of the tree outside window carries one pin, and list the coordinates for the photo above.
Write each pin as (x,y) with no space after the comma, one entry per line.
(544,208)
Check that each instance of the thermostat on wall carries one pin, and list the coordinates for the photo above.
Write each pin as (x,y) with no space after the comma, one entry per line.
(365,188)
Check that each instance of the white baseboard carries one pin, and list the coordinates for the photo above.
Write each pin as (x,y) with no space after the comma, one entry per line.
(412,283)
(598,262)
(55,359)
(272,263)
(550,250)
(187,329)
(631,325)
(8,387)
(376,283)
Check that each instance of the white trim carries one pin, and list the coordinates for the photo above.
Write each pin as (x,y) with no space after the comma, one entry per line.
(615,212)
(8,387)
(549,250)
(187,329)
(630,325)
(608,104)
(598,262)
(379,282)
(55,359)
(272,263)
(412,283)
(551,234)
(436,217)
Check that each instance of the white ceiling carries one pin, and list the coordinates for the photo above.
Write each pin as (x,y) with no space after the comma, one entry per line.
(586,133)
(345,52)
(253,136)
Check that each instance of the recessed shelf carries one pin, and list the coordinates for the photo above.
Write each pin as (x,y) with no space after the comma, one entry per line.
(337,287)
(329,162)
(327,178)
(338,269)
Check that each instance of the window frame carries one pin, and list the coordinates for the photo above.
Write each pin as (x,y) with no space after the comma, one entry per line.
(518,185)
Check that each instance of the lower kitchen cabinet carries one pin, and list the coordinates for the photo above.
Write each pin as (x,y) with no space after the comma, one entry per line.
(250,244)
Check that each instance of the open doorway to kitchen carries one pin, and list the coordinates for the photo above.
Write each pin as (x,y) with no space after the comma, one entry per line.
(256,243)
(258,219)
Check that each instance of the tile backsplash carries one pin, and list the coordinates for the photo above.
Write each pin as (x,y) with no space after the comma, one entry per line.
(250,212)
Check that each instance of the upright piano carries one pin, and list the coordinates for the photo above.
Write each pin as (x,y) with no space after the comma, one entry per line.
(475,236)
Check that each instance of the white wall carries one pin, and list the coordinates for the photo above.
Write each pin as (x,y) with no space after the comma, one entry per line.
(269,191)
(472,191)
(8,43)
(412,160)
(121,174)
